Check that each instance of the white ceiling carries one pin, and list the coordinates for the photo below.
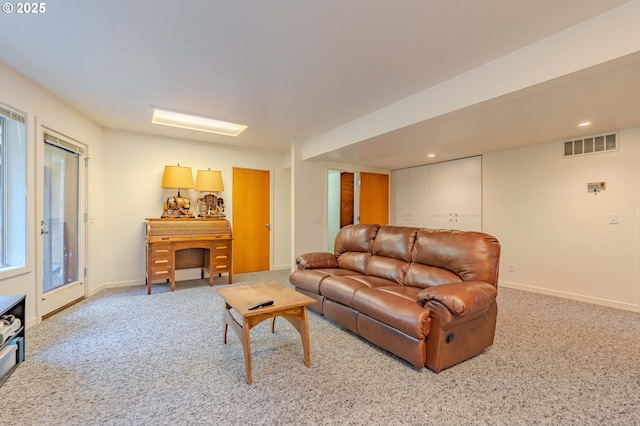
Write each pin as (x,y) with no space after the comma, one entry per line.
(294,69)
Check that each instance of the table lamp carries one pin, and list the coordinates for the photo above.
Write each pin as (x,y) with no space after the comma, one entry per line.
(210,205)
(177,177)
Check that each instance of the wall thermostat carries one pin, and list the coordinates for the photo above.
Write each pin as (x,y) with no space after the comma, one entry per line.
(596,187)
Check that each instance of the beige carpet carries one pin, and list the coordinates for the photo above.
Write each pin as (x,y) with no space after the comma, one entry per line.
(126,358)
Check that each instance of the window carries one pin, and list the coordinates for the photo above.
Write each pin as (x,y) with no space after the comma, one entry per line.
(13,189)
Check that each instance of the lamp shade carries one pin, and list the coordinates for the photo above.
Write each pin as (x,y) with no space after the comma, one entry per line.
(209,180)
(177,177)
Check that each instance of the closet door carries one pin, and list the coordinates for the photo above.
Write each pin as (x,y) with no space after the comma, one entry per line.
(455,194)
(400,197)
(410,197)
(419,197)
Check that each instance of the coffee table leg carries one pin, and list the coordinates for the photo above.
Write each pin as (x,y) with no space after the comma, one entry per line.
(246,345)
(298,319)
(304,334)
(243,333)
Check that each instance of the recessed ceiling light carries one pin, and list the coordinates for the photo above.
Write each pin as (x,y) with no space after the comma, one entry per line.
(431,155)
(584,124)
(196,122)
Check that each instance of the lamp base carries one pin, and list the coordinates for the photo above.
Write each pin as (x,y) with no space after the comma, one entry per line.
(177,207)
(210,205)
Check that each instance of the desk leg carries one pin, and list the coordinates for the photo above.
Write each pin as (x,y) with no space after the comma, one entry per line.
(173,268)
(212,256)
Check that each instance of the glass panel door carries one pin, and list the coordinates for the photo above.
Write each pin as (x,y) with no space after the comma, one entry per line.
(60,224)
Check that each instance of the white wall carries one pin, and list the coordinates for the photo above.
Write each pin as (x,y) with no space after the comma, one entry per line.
(334,207)
(134,166)
(310,201)
(42,107)
(555,234)
(309,204)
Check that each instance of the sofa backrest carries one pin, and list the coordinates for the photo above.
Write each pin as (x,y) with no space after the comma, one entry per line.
(392,253)
(459,256)
(418,257)
(353,246)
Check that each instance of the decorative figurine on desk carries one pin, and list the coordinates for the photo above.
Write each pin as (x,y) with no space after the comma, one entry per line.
(177,177)
(210,205)
(177,207)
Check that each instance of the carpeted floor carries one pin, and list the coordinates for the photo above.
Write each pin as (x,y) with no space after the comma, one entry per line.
(125,358)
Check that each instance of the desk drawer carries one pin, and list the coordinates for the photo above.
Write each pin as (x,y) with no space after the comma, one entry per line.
(160,251)
(221,256)
(222,246)
(157,273)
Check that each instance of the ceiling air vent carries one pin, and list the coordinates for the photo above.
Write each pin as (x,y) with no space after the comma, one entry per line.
(590,145)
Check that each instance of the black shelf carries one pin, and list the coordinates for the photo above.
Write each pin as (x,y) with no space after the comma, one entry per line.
(14,305)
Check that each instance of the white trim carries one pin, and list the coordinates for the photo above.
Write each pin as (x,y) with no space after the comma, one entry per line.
(571,296)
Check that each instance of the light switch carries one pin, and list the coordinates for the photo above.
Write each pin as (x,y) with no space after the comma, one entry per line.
(613,219)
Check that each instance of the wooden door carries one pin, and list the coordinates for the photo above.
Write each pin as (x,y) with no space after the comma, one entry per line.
(251,220)
(346,199)
(374,198)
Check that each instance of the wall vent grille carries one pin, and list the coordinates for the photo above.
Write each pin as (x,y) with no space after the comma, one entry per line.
(588,145)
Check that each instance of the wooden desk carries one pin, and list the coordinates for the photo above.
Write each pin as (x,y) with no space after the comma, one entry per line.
(187,243)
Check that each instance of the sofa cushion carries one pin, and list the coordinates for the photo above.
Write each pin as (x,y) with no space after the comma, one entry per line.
(353,246)
(387,268)
(470,255)
(409,293)
(354,261)
(342,289)
(374,282)
(423,276)
(355,238)
(395,242)
(391,253)
(310,279)
(394,310)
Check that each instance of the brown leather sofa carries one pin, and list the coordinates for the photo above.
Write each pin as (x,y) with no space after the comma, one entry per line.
(426,295)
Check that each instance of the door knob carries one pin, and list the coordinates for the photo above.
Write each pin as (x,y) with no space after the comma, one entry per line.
(268,225)
(43,231)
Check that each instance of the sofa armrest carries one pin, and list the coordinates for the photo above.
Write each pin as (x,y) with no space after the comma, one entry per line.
(316,260)
(460,298)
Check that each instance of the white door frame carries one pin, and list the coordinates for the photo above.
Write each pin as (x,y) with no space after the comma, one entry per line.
(58,298)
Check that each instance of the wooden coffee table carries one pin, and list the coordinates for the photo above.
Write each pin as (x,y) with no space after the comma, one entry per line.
(287,303)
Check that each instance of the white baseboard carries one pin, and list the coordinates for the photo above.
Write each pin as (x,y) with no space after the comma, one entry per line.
(94,290)
(280,267)
(571,296)
(181,275)
(31,322)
